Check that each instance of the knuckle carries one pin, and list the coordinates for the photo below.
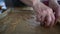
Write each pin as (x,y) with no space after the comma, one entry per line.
(50,9)
(54,18)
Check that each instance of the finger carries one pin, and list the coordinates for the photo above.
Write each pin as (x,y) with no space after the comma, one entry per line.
(38,17)
(43,18)
(57,16)
(48,20)
(53,20)
(56,19)
(43,15)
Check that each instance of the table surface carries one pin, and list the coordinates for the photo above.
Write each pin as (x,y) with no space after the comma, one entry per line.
(23,22)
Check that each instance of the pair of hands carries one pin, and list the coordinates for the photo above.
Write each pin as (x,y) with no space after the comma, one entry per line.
(46,15)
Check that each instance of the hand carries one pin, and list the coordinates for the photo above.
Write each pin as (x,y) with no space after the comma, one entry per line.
(57,13)
(56,7)
(44,14)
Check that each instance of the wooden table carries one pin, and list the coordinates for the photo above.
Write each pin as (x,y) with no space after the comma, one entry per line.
(23,22)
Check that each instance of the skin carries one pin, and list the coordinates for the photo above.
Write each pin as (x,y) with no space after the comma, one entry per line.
(44,14)
(56,7)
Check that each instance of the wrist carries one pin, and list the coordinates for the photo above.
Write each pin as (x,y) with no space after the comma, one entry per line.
(34,2)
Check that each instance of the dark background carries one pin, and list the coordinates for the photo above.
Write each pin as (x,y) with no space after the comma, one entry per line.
(14,3)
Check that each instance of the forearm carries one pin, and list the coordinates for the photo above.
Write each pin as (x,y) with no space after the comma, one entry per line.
(55,2)
(30,2)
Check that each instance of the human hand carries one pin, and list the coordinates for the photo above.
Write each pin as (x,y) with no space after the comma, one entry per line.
(44,14)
